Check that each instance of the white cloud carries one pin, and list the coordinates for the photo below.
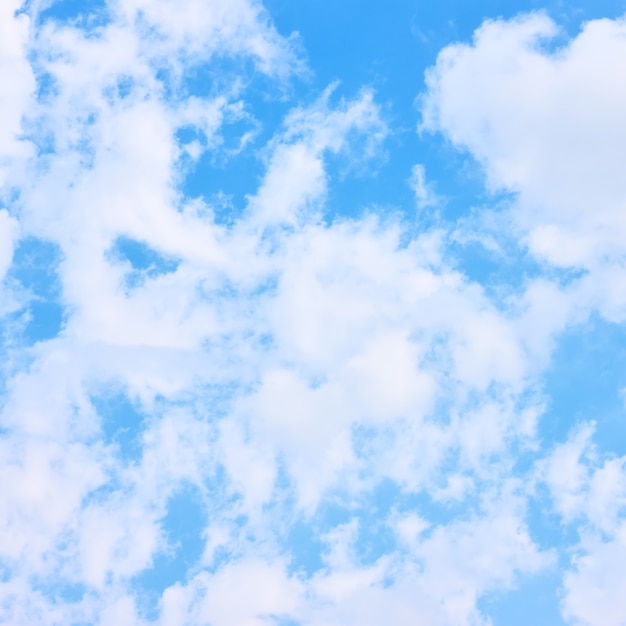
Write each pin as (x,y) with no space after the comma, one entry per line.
(9,229)
(295,178)
(193,31)
(590,490)
(545,125)
(567,474)
(285,358)
(595,588)
(15,70)
(424,194)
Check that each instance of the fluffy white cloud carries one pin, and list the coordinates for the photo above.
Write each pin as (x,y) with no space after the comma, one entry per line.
(280,362)
(295,178)
(15,70)
(546,125)
(590,490)
(545,120)
(594,590)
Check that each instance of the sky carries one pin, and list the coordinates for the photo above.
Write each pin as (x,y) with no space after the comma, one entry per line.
(312,313)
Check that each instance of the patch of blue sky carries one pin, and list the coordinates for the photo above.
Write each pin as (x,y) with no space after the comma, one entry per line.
(188,134)
(374,538)
(388,47)
(380,185)
(534,599)
(375,47)
(438,511)
(45,321)
(145,262)
(489,268)
(374,513)
(183,529)
(141,256)
(304,548)
(546,527)
(61,593)
(586,382)
(225,185)
(86,14)
(227,174)
(35,274)
(122,423)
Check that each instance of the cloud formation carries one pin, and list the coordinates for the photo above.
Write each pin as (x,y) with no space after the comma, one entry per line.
(346,422)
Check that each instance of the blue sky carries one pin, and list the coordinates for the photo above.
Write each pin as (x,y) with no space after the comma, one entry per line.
(312,313)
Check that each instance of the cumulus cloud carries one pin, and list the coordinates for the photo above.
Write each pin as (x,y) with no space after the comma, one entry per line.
(544,119)
(283,368)
(589,490)
(15,70)
(543,116)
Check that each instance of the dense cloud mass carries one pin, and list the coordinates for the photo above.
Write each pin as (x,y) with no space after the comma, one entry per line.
(271,411)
